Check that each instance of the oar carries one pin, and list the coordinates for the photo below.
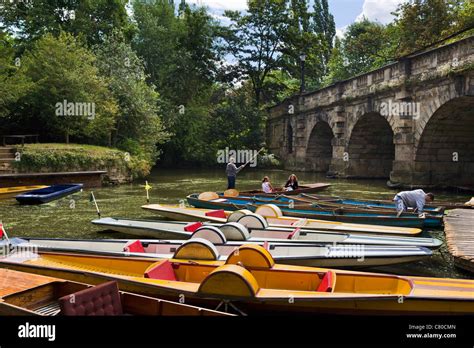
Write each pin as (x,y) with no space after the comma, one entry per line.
(250,160)
(95,202)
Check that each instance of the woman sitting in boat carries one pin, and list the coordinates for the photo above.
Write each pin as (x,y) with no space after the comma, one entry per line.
(292,183)
(266,185)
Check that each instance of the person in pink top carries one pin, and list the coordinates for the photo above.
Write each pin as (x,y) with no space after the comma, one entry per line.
(266,185)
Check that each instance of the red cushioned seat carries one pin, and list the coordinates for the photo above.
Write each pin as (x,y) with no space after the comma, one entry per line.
(162,271)
(103,299)
(134,247)
(217,213)
(327,283)
(192,226)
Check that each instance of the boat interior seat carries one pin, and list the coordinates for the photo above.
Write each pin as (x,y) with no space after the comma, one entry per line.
(134,246)
(328,282)
(161,270)
(103,299)
(193,226)
(220,213)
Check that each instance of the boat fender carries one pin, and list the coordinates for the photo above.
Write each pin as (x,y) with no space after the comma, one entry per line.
(230,280)
(231,193)
(208,196)
(235,231)
(210,233)
(251,256)
(197,249)
(236,215)
(253,221)
(269,210)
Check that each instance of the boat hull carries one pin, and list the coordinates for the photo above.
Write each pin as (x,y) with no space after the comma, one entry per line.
(10,192)
(48,194)
(413,304)
(175,230)
(313,214)
(310,188)
(196,214)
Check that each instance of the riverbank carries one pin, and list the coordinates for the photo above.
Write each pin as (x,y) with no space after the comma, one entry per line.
(120,166)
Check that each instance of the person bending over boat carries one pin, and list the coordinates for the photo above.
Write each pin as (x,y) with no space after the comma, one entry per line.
(415,199)
(231,171)
(267,185)
(292,183)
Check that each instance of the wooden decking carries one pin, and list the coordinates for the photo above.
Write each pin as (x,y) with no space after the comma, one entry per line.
(14,281)
(459,229)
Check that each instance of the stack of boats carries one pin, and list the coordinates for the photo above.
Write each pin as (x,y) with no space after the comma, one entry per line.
(251,252)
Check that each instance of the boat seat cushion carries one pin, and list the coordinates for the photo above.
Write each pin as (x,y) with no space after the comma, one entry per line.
(191,227)
(217,213)
(103,299)
(327,283)
(162,271)
(134,247)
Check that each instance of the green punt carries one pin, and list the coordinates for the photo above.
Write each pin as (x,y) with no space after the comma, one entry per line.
(315,213)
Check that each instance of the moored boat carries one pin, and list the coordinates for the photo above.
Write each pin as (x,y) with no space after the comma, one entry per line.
(274,219)
(10,192)
(256,229)
(254,283)
(323,214)
(321,255)
(307,188)
(48,194)
(36,295)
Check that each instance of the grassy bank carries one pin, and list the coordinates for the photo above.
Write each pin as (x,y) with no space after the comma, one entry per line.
(74,157)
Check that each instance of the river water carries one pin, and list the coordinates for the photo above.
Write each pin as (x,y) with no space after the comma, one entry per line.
(70,217)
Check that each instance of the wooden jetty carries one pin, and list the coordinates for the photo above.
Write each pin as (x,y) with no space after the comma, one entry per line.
(459,229)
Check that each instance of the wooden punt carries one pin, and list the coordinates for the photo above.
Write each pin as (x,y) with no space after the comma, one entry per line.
(315,213)
(307,254)
(253,227)
(30,294)
(48,194)
(252,282)
(438,206)
(307,188)
(182,213)
(10,192)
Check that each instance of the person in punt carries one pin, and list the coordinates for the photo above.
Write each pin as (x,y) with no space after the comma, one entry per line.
(267,185)
(415,199)
(292,183)
(231,171)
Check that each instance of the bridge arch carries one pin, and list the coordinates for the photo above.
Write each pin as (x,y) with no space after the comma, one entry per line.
(370,148)
(319,147)
(445,149)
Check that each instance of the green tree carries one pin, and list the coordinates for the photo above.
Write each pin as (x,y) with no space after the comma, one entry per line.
(255,39)
(92,19)
(179,49)
(61,69)
(138,128)
(13,83)
(422,22)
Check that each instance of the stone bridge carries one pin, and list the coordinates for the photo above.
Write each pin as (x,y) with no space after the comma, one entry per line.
(411,121)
